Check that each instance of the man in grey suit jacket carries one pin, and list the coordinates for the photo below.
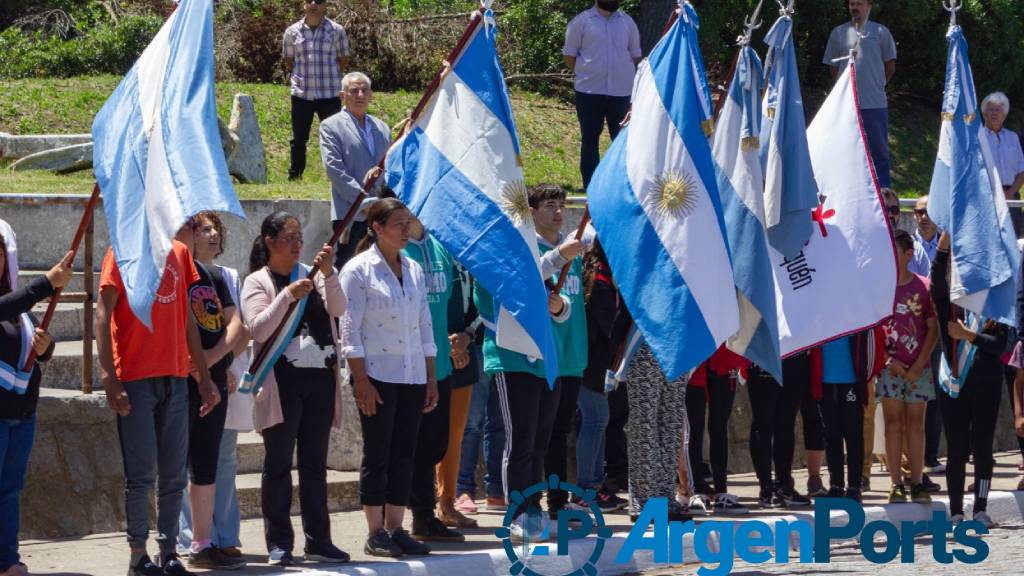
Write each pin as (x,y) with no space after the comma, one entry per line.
(352,142)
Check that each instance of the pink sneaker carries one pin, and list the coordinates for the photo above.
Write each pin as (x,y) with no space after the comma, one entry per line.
(465,504)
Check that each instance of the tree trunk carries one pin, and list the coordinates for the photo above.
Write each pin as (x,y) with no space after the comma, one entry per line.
(653,16)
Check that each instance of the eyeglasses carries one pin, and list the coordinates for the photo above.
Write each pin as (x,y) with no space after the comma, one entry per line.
(290,239)
(921,211)
(893,209)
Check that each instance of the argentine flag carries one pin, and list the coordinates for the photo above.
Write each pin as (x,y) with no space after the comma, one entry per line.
(741,188)
(655,205)
(966,199)
(157,150)
(789,188)
(458,169)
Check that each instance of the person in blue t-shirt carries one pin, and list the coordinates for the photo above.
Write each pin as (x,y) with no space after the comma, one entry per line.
(842,410)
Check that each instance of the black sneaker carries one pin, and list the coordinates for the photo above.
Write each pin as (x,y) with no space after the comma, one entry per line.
(172,566)
(855,495)
(929,485)
(766,498)
(280,557)
(409,546)
(145,567)
(380,544)
(433,530)
(326,553)
(789,498)
(211,559)
(609,501)
(836,492)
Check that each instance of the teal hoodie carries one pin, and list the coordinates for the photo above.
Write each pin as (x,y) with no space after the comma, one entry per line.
(571,335)
(438,268)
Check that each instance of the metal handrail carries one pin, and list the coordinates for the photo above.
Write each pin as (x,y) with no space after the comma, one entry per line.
(88,296)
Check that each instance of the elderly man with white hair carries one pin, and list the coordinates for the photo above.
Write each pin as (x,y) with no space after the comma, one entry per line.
(352,143)
(1006,149)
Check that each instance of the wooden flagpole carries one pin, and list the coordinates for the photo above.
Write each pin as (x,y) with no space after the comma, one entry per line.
(83,224)
(475,20)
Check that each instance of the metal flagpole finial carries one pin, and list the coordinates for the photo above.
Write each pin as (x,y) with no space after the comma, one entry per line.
(751,23)
(786,10)
(952,6)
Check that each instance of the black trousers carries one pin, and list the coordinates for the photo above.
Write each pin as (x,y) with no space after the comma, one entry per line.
(389,444)
(204,434)
(556,460)
(842,411)
(814,428)
(1011,374)
(302,120)
(970,421)
(528,410)
(307,403)
(933,417)
(716,400)
(593,112)
(773,411)
(616,456)
(431,445)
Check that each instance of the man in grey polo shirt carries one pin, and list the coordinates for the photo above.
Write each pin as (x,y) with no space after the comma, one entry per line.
(875,63)
(602,47)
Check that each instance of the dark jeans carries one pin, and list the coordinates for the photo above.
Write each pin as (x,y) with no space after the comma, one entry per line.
(154,448)
(556,461)
(876,129)
(204,434)
(307,403)
(616,456)
(389,444)
(431,445)
(814,428)
(773,410)
(16,437)
(593,112)
(484,422)
(302,120)
(528,409)
(843,414)
(346,250)
(716,401)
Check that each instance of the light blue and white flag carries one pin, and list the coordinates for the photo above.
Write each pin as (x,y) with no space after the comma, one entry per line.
(789,188)
(655,205)
(157,150)
(966,199)
(459,170)
(741,188)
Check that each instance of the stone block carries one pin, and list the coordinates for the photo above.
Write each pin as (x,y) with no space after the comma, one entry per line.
(58,160)
(247,159)
(13,147)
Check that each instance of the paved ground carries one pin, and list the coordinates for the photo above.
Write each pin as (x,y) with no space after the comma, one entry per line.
(106,554)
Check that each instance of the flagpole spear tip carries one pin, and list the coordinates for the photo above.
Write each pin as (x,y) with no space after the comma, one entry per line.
(952,6)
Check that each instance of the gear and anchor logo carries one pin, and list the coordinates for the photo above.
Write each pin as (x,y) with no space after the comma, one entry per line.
(536,529)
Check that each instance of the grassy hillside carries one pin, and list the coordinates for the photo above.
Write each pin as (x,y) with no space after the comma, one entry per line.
(547,128)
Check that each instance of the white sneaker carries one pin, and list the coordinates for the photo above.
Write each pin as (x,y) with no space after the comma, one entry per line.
(984,518)
(936,470)
(695,504)
(956,519)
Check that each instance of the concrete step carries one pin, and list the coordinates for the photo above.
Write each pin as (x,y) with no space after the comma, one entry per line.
(64,369)
(76,284)
(342,492)
(66,324)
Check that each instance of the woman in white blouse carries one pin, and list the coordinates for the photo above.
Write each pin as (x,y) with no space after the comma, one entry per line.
(388,342)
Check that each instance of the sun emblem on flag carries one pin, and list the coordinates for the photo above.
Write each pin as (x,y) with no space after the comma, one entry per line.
(674,194)
(515,202)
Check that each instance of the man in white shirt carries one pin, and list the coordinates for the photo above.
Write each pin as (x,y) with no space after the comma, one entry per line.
(1006,150)
(602,48)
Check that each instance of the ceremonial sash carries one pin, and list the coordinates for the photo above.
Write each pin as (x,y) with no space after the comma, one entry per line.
(253,379)
(12,378)
(965,358)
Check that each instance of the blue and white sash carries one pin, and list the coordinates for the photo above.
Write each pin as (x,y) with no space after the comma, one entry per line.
(12,378)
(965,359)
(253,379)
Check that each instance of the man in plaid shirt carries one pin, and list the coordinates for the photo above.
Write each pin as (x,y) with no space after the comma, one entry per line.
(315,49)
